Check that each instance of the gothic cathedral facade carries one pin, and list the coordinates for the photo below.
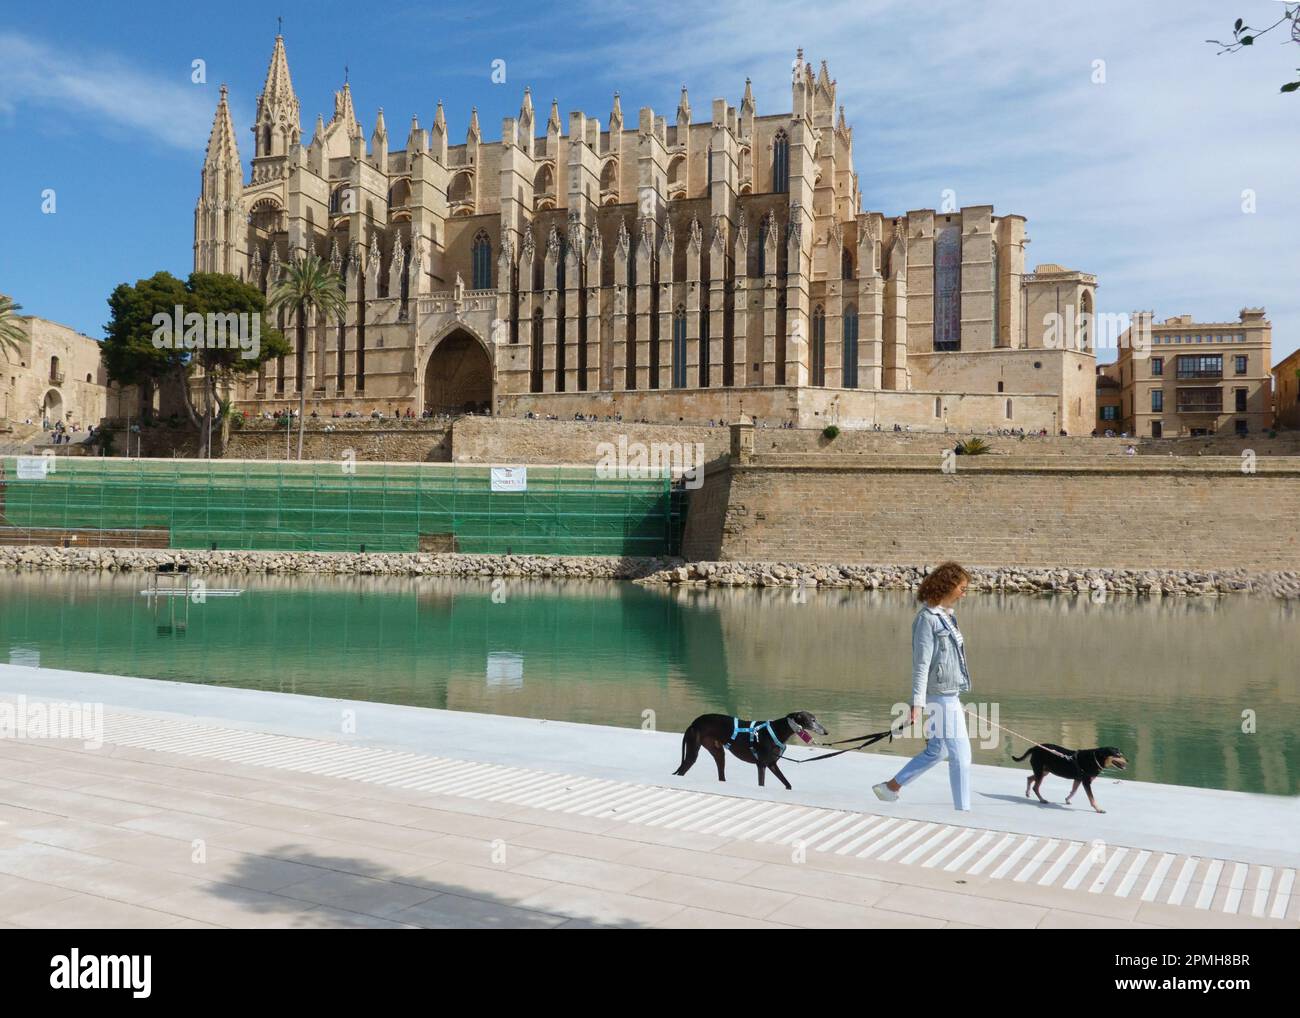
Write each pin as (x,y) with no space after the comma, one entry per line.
(689,270)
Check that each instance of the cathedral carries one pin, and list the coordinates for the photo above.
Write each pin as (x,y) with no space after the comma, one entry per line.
(684,270)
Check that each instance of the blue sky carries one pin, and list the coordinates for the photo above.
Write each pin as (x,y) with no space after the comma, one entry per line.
(1138,178)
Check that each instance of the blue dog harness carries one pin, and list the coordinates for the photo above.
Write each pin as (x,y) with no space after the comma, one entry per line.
(754,730)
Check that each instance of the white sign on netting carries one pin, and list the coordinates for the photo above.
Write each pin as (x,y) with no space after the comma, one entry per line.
(509,478)
(33,468)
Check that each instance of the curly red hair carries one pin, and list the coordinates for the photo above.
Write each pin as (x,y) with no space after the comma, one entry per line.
(941,581)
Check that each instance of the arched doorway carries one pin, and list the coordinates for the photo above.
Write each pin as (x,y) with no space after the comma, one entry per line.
(458,376)
(52,407)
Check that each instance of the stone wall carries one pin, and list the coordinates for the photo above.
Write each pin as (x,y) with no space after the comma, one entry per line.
(805,407)
(390,441)
(1130,513)
(516,440)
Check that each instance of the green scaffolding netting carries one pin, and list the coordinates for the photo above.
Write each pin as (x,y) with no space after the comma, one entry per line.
(330,506)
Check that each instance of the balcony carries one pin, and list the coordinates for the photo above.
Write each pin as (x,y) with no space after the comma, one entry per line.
(56,377)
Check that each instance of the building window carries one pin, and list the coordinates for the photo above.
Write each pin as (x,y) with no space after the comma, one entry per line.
(762,247)
(997,299)
(1000,386)
(482,261)
(1209,365)
(1241,400)
(819,346)
(1157,429)
(1200,401)
(1242,428)
(1157,400)
(781,163)
(1157,366)
(1008,409)
(1239,363)
(535,354)
(1110,413)
(850,348)
(947,289)
(679,347)
(938,406)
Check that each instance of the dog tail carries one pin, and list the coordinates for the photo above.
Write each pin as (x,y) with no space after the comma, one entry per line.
(681,767)
(1017,759)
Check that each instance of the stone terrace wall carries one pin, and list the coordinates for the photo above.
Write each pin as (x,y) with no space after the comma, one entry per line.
(516,440)
(1130,513)
(416,441)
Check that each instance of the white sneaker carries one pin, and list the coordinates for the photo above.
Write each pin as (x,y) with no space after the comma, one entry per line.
(883,791)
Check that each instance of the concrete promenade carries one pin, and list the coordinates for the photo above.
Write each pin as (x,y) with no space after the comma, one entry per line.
(210,806)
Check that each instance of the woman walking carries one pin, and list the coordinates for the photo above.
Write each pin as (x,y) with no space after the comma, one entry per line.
(939,675)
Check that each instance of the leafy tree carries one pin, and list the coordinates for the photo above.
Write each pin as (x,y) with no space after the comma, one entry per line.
(1244,35)
(308,283)
(145,345)
(11,333)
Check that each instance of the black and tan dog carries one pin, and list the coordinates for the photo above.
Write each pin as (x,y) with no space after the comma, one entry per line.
(1080,765)
(758,742)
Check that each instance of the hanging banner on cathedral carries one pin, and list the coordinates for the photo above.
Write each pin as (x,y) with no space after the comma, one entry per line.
(509,478)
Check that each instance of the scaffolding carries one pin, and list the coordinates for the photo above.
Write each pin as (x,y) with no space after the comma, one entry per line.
(345,506)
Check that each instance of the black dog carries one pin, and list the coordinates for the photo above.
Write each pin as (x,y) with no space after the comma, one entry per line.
(1081,765)
(757,742)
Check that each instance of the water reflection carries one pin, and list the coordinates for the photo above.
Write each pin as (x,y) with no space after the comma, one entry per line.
(1172,682)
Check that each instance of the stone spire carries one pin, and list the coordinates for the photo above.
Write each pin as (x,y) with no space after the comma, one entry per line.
(747,100)
(438,136)
(343,111)
(473,136)
(278,124)
(526,115)
(684,108)
(616,115)
(554,122)
(220,235)
(223,149)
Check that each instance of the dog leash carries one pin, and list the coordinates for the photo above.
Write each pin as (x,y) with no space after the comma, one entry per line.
(864,740)
(1025,738)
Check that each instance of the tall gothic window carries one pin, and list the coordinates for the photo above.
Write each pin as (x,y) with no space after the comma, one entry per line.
(762,247)
(781,163)
(997,298)
(850,348)
(704,347)
(819,346)
(947,289)
(679,347)
(482,261)
(535,354)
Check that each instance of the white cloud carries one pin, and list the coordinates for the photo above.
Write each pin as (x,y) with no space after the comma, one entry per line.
(101,90)
(1139,180)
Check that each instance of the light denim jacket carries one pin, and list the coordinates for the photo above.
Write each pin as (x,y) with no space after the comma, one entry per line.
(938,664)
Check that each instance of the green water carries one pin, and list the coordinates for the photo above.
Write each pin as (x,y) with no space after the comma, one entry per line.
(1166,681)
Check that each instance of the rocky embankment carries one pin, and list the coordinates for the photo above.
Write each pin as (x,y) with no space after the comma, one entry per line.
(667,571)
(1006,579)
(112,560)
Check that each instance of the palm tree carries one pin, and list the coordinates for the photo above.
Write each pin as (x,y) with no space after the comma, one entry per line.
(308,283)
(11,333)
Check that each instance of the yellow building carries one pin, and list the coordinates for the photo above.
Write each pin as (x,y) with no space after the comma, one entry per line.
(1286,390)
(1180,377)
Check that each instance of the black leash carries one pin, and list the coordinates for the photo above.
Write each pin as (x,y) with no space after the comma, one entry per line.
(863,742)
